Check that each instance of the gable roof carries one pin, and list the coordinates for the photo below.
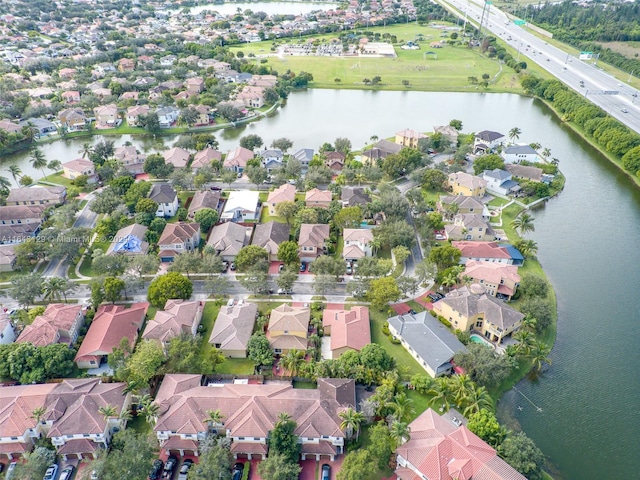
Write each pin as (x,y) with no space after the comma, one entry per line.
(234,326)
(51,326)
(313,234)
(349,328)
(284,193)
(178,232)
(270,235)
(162,193)
(178,316)
(204,199)
(129,240)
(35,194)
(303,155)
(111,324)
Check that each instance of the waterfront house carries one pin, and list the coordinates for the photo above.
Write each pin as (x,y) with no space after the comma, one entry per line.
(486,141)
(483,251)
(380,150)
(135,113)
(272,159)
(204,158)
(500,182)
(498,280)
(468,226)
(409,138)
(80,167)
(106,116)
(72,119)
(237,159)
(519,153)
(167,116)
(176,156)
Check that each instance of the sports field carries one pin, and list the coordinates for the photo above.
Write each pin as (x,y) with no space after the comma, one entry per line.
(431,69)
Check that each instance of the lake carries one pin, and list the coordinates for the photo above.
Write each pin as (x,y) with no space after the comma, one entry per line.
(270,8)
(588,425)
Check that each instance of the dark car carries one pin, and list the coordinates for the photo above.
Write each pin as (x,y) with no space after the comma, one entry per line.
(281,267)
(236,473)
(303,267)
(184,469)
(215,188)
(412,312)
(232,267)
(169,467)
(326,472)
(156,470)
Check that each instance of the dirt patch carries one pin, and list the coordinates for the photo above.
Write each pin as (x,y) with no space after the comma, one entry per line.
(628,49)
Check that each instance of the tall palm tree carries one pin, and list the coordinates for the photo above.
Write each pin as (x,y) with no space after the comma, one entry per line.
(555,161)
(374,138)
(150,412)
(283,417)
(403,407)
(53,288)
(108,411)
(38,160)
(523,223)
(5,184)
(546,153)
(441,392)
(15,172)
(351,421)
(535,145)
(539,353)
(38,413)
(528,248)
(460,386)
(86,150)
(526,340)
(514,133)
(375,243)
(292,361)
(214,418)
(400,432)
(477,398)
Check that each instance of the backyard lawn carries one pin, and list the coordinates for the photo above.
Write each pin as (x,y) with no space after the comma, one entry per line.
(209,315)
(237,366)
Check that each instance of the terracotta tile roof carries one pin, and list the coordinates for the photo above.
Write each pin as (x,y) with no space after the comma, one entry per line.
(111,324)
(284,193)
(238,157)
(317,195)
(78,165)
(178,232)
(52,326)
(481,249)
(205,157)
(176,156)
(36,194)
(288,318)
(234,326)
(178,316)
(313,235)
(17,405)
(362,235)
(349,328)
(491,272)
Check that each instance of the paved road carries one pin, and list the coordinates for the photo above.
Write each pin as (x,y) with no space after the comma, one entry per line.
(567,68)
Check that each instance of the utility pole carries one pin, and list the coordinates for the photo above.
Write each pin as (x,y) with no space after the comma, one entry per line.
(630,75)
(485,10)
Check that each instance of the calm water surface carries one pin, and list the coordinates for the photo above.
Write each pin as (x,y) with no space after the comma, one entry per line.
(270,8)
(589,424)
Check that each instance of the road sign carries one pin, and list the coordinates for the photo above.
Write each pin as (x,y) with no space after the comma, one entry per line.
(520,22)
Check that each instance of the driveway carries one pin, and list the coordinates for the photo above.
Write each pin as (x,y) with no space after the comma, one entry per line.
(308,470)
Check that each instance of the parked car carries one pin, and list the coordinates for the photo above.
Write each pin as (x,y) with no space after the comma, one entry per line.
(232,267)
(169,467)
(412,312)
(303,267)
(349,269)
(280,268)
(156,469)
(326,472)
(67,472)
(225,266)
(184,469)
(94,475)
(12,467)
(282,291)
(51,472)
(215,188)
(236,473)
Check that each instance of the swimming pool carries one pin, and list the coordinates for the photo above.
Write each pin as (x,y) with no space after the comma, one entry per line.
(475,338)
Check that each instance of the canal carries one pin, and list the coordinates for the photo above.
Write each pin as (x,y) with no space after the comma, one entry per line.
(582,410)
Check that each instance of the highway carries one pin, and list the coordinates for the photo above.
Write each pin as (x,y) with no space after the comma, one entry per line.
(622,105)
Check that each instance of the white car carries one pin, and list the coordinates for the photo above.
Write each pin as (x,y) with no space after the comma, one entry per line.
(624,110)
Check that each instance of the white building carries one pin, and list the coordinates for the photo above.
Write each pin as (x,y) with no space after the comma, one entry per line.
(241,206)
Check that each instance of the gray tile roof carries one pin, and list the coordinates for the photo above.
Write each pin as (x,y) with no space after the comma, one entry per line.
(162,193)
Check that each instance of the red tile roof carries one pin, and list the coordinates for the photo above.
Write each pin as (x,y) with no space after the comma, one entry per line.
(349,328)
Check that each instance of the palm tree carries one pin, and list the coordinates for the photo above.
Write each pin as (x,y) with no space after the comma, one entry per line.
(374,138)
(546,153)
(5,184)
(150,412)
(523,223)
(514,133)
(375,244)
(292,361)
(351,421)
(536,146)
(38,413)
(38,160)
(108,411)
(15,172)
(477,398)
(30,132)
(528,248)
(529,323)
(460,386)
(402,407)
(539,353)
(441,393)
(400,432)
(526,340)
(86,150)
(283,417)
(54,287)
(555,161)
(214,418)
(54,165)
(360,177)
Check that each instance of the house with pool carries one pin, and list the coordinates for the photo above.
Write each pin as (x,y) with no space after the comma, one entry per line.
(471,309)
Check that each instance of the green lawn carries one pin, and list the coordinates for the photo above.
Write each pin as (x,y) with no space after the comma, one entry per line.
(238,366)
(406,363)
(265,217)
(85,267)
(209,315)
(139,425)
(58,179)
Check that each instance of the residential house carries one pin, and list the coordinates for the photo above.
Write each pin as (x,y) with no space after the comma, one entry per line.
(195,85)
(67,73)
(233,329)
(204,199)
(7,257)
(178,238)
(409,138)
(42,125)
(462,183)
(227,239)
(498,280)
(71,96)
(59,323)
(251,96)
(242,205)
(205,157)
(178,317)
(288,328)
(470,309)
(134,114)
(129,240)
(284,193)
(110,325)
(168,60)
(49,196)
(126,65)
(487,141)
(519,153)
(167,116)
(72,119)
(312,241)
(272,159)
(380,150)
(176,156)
(10,127)
(269,236)
(427,340)
(483,251)
(12,234)
(7,332)
(500,182)
(304,156)
(267,81)
(237,159)
(440,449)
(449,205)
(249,413)
(467,226)
(106,116)
(357,243)
(130,158)
(334,161)
(205,115)
(135,96)
(80,167)
(102,93)
(533,174)
(318,198)
(22,215)
(70,418)
(347,329)
(166,198)
(354,196)
(448,132)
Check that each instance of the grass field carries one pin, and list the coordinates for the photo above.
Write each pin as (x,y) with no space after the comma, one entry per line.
(447,70)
